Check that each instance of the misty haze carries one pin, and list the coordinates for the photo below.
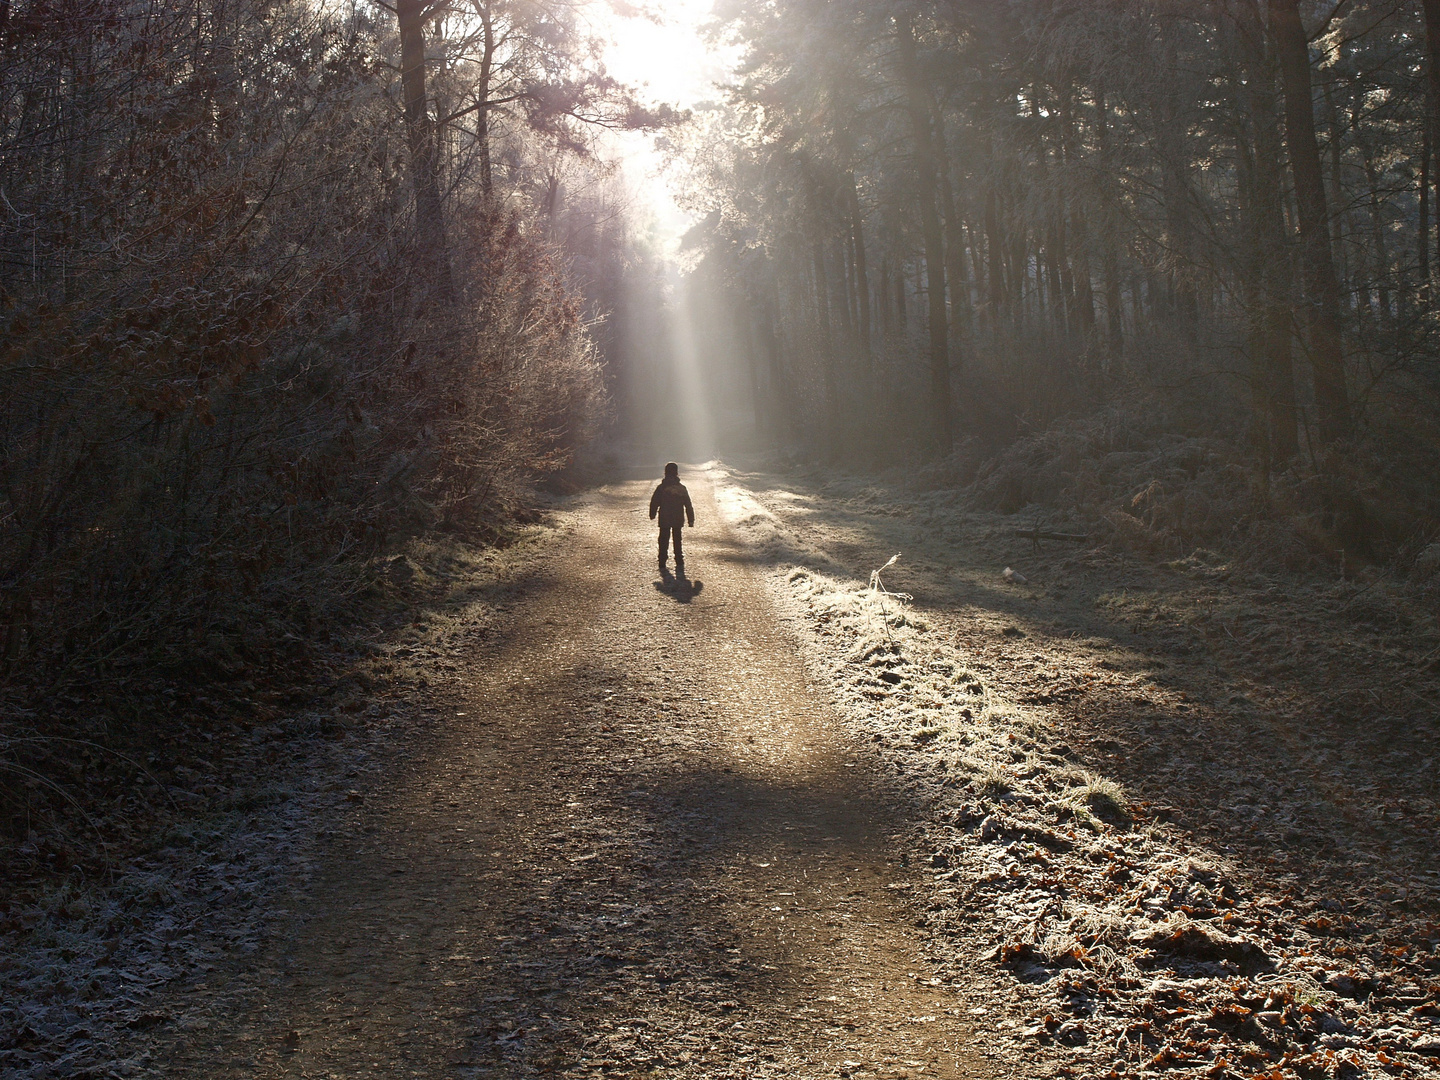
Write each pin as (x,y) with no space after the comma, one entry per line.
(719,539)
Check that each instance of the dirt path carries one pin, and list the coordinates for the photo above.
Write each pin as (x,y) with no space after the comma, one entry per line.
(641,844)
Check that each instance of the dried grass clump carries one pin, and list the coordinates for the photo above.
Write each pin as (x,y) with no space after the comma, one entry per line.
(991,780)
(1102,797)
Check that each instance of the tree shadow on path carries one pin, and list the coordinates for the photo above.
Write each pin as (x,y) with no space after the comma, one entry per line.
(641,845)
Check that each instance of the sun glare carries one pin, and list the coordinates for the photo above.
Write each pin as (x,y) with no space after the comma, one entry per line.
(668,59)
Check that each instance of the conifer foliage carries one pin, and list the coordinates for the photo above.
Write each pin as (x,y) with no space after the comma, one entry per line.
(951,224)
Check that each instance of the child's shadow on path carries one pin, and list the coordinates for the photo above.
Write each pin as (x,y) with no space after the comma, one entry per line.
(681,590)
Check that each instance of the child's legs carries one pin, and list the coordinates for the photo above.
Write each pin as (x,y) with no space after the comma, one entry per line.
(679,553)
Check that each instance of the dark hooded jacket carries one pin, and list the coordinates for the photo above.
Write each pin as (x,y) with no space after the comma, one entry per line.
(672,502)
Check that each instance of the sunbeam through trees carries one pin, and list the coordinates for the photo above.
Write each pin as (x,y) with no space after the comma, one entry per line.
(349,725)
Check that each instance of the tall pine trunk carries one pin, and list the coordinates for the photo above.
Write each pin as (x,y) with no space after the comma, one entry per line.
(954,240)
(424,154)
(783,406)
(919,108)
(1322,287)
(1423,247)
(1176,193)
(1267,260)
(1279,362)
(994,258)
(862,275)
(825,351)
(1432,110)
(1114,298)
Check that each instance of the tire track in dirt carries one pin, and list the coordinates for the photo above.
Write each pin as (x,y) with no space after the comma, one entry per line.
(642,844)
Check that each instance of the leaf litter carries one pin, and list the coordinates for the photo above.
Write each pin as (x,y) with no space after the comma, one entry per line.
(1130,943)
(94,964)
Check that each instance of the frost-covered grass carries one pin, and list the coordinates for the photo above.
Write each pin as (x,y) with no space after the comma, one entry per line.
(86,965)
(1108,920)
(91,962)
(911,678)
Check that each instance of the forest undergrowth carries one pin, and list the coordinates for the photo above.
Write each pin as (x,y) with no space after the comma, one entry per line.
(1181,809)
(252,361)
(1135,478)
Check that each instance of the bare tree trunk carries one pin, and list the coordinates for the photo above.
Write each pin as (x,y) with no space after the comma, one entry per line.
(1322,288)
(920,111)
(1080,275)
(994,257)
(975,267)
(1019,272)
(482,114)
(1263,266)
(551,202)
(822,293)
(1279,377)
(744,318)
(847,287)
(783,406)
(826,343)
(424,158)
(1266,262)
(1079,287)
(1054,251)
(1114,300)
(1176,194)
(1335,197)
(883,296)
(1432,113)
(1423,247)
(1377,229)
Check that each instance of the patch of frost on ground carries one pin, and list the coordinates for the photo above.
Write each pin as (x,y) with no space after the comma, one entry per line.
(1132,947)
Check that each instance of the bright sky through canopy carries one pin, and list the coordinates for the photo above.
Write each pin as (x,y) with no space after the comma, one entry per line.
(669,61)
(670,58)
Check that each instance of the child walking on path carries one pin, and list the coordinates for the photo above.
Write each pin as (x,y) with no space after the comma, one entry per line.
(672,502)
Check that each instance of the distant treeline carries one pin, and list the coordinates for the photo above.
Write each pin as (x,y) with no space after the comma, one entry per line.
(280,282)
(943,223)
